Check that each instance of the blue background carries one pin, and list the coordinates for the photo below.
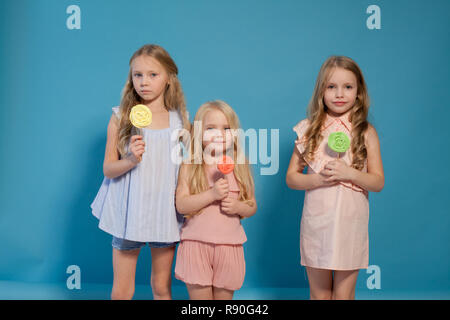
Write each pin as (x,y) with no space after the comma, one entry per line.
(262,57)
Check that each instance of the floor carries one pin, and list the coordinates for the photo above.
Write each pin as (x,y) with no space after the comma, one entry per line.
(58,291)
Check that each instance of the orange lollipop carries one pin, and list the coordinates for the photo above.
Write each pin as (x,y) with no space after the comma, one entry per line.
(227,165)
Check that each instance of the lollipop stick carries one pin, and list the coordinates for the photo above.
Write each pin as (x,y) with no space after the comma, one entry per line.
(138,132)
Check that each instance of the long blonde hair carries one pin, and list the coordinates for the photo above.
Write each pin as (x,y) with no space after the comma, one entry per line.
(173,95)
(358,114)
(196,173)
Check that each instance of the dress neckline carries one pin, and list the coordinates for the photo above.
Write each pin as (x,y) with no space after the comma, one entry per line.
(158,130)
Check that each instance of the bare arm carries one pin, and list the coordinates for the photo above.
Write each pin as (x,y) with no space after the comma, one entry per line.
(187,203)
(373,180)
(244,209)
(297,180)
(112,166)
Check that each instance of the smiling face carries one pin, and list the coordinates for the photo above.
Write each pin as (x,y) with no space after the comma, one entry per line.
(340,92)
(149,78)
(217,136)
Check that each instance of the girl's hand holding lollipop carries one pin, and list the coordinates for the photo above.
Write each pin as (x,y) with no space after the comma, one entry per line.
(140,117)
(338,170)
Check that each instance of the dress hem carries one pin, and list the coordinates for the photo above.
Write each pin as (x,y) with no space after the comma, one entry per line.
(333,268)
(177,276)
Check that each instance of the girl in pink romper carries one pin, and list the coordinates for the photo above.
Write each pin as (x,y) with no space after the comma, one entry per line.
(210,257)
(334,240)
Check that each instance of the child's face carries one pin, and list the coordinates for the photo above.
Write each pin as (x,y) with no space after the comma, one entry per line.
(149,78)
(340,93)
(217,135)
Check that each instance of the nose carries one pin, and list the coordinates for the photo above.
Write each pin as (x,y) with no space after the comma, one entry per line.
(144,81)
(339,92)
(220,135)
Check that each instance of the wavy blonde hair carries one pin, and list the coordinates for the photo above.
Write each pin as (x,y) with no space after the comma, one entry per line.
(358,114)
(173,95)
(198,181)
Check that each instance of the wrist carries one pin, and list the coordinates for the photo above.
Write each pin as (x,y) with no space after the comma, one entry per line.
(353,177)
(317,180)
(246,208)
(131,159)
(211,195)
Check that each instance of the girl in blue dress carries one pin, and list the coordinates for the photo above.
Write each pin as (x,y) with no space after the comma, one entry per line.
(135,203)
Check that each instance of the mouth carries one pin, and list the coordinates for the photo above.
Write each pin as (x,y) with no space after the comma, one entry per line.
(145,91)
(339,103)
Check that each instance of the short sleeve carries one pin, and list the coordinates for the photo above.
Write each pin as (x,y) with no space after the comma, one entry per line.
(116,111)
(300,128)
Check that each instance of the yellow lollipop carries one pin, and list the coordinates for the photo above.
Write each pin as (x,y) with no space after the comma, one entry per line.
(140,116)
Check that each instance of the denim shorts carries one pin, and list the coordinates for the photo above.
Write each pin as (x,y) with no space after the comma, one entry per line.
(124,244)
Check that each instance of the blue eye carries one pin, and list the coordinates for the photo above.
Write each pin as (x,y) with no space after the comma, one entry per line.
(154,74)
(330,86)
(137,74)
(349,87)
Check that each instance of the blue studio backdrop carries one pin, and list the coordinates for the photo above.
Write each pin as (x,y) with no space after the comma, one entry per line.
(64,64)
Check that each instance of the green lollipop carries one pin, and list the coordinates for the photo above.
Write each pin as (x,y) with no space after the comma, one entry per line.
(338,141)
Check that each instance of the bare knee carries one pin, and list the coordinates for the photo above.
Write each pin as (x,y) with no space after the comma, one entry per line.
(161,288)
(122,292)
(343,295)
(322,295)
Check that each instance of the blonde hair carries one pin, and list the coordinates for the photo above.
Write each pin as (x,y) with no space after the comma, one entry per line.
(196,173)
(358,114)
(173,95)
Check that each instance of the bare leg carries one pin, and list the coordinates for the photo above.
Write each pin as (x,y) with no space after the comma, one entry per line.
(161,278)
(320,283)
(344,284)
(124,266)
(197,292)
(222,294)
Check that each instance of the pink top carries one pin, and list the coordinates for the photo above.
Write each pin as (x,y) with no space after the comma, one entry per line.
(212,225)
(334,224)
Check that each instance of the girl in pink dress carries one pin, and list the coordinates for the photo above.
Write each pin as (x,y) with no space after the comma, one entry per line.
(210,258)
(334,240)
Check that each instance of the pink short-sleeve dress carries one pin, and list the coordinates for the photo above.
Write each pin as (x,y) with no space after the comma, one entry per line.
(334,231)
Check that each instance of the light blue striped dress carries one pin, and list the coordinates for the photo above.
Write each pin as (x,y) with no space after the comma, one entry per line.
(140,204)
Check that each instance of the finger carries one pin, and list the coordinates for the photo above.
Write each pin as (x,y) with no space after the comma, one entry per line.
(139,152)
(330,165)
(139,143)
(135,137)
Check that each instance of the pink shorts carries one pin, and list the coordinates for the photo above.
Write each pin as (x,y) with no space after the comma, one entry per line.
(209,264)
